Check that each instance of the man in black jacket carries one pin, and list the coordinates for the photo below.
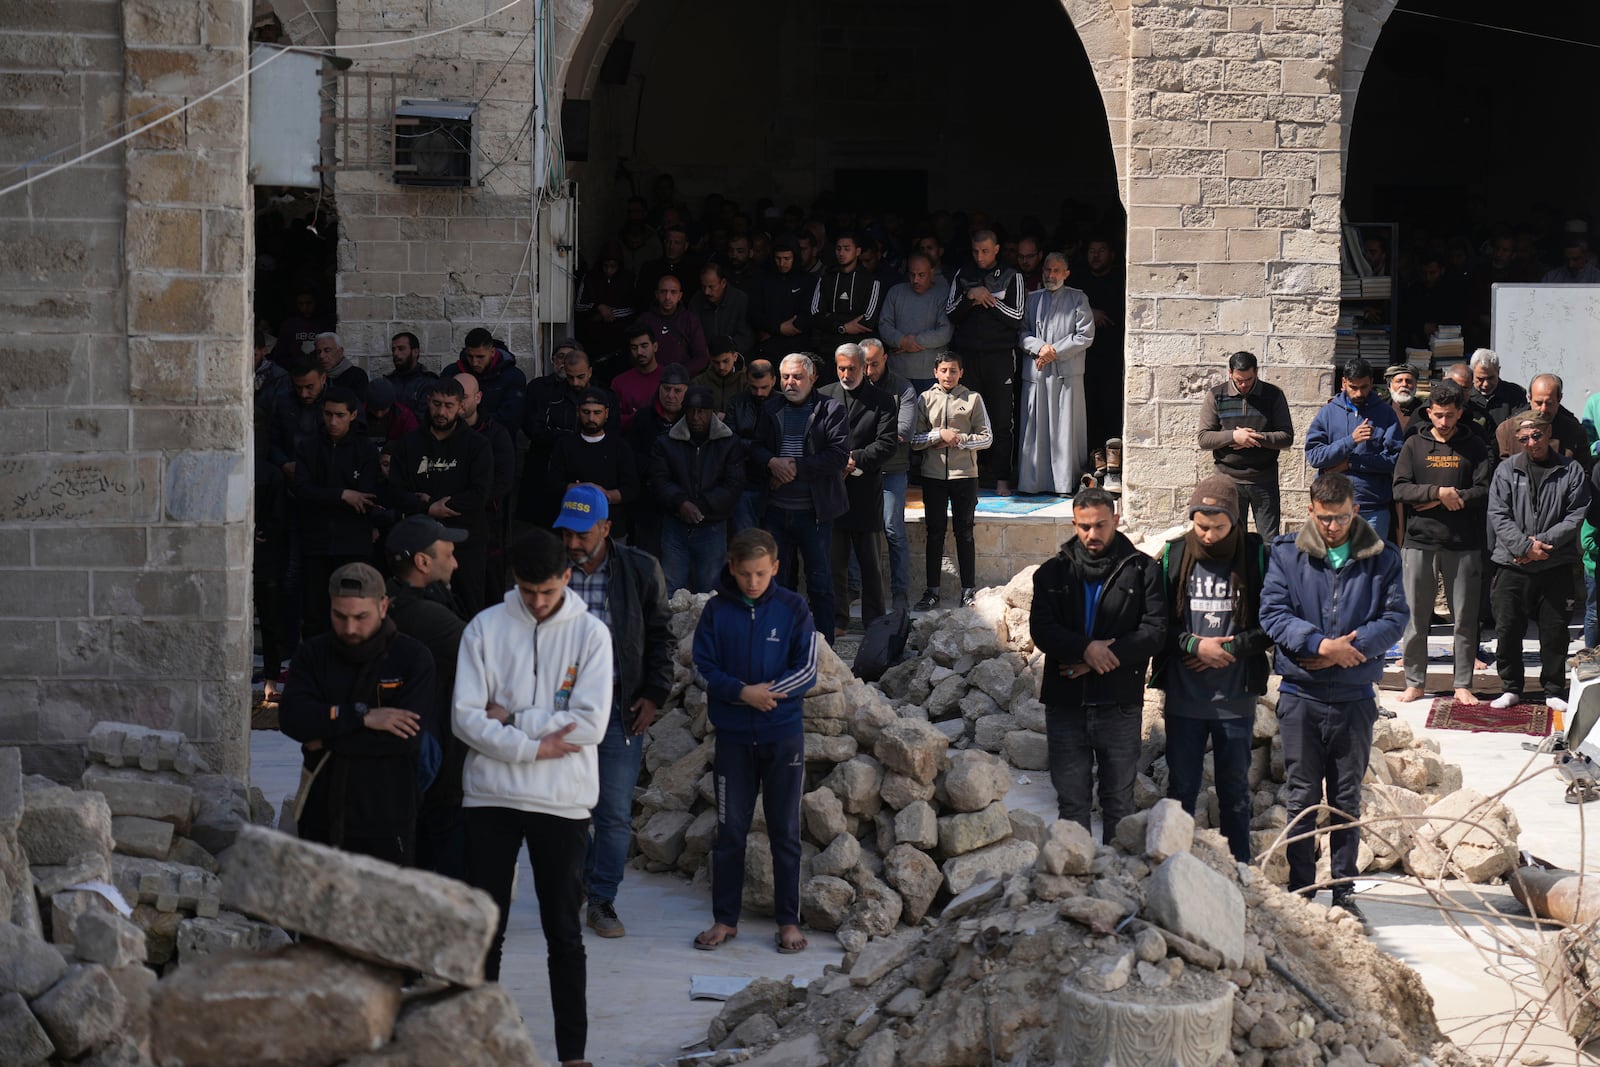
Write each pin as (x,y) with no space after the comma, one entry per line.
(782,302)
(744,414)
(696,476)
(1214,664)
(359,700)
(845,303)
(299,417)
(411,379)
(597,454)
(985,307)
(498,518)
(622,587)
(550,416)
(872,428)
(334,494)
(446,469)
(648,424)
(1098,614)
(422,557)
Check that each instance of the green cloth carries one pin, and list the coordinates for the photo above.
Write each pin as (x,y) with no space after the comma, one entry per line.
(1338,557)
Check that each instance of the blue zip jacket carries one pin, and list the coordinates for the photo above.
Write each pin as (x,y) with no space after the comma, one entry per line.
(1304,600)
(1328,444)
(738,644)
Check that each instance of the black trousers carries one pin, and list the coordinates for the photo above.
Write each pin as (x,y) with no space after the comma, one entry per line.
(994,376)
(867,544)
(472,559)
(555,850)
(1547,597)
(1094,739)
(1325,745)
(960,496)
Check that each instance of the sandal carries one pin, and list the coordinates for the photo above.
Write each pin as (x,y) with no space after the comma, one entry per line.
(1582,792)
(790,949)
(712,946)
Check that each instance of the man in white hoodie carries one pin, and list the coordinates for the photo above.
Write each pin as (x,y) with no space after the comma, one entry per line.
(532,700)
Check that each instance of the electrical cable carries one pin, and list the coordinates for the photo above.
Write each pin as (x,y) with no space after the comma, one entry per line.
(24,183)
(1501,29)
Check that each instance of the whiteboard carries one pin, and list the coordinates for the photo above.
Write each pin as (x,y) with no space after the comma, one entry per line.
(1550,329)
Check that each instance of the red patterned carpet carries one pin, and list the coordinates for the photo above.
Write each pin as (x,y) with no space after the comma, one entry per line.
(1532,719)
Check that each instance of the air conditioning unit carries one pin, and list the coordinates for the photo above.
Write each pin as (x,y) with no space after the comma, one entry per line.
(435,144)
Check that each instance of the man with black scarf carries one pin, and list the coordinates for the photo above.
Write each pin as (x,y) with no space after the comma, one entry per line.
(1215,663)
(1099,615)
(359,701)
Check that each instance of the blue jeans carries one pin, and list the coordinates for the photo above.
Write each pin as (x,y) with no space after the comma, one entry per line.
(799,532)
(894,528)
(692,556)
(1230,757)
(1380,517)
(1591,624)
(619,756)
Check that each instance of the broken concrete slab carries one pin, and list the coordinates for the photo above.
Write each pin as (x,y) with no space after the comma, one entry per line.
(135,835)
(1193,901)
(27,964)
(999,860)
(1068,850)
(473,1028)
(882,956)
(301,1004)
(222,809)
(59,824)
(83,1009)
(23,1041)
(89,867)
(166,885)
(106,938)
(1168,830)
(122,744)
(200,936)
(375,910)
(131,792)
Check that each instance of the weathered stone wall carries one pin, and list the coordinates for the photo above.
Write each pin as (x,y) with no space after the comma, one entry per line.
(1233,189)
(125,483)
(439,262)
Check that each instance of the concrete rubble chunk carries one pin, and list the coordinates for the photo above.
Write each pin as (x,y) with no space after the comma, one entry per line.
(1027,750)
(199,936)
(1168,830)
(23,1041)
(913,748)
(1069,850)
(975,780)
(136,983)
(969,831)
(915,876)
(825,901)
(81,1010)
(148,797)
(106,938)
(839,858)
(371,909)
(663,836)
(67,905)
(806,1051)
(167,886)
(917,824)
(135,835)
(472,1028)
(882,956)
(973,897)
(51,879)
(822,814)
(10,791)
(1195,902)
(302,1004)
(901,789)
(28,965)
(60,824)
(222,809)
(1000,860)
(121,744)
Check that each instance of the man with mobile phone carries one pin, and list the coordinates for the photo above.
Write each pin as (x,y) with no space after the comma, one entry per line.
(1357,435)
(624,589)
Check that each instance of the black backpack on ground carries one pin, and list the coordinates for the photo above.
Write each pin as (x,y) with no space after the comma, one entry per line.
(884,644)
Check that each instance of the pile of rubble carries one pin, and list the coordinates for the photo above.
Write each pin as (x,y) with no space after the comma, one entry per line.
(120,920)
(1157,950)
(906,779)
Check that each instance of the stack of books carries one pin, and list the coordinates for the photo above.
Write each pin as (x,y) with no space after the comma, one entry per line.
(1377,287)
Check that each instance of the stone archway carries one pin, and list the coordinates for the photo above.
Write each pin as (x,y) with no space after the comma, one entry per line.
(1363,24)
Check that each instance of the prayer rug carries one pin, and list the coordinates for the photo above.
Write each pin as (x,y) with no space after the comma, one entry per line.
(1531,719)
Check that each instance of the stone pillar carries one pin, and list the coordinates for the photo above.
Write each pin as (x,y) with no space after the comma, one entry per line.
(125,491)
(438,262)
(1233,192)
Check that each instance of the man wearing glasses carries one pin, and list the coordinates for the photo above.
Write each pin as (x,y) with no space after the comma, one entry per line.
(1536,504)
(1333,602)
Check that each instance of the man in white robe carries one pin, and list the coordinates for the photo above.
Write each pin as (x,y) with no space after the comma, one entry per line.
(1057,330)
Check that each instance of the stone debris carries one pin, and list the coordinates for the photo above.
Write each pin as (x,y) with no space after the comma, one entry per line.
(1093,972)
(81,981)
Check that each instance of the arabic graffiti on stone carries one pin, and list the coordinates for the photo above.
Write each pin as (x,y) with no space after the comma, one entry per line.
(69,491)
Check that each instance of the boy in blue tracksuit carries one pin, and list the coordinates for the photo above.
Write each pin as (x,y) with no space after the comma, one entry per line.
(1334,602)
(1357,434)
(756,648)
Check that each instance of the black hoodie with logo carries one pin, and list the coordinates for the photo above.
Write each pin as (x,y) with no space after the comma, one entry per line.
(461,467)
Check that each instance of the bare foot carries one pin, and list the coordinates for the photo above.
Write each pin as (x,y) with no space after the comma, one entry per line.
(790,939)
(1410,694)
(1465,696)
(714,937)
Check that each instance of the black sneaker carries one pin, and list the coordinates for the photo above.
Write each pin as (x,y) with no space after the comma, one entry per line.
(929,601)
(603,919)
(1347,901)
(968,595)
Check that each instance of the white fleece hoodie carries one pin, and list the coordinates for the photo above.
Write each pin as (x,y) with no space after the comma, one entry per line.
(550,674)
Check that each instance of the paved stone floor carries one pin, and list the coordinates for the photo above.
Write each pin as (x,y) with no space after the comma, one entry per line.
(639,1007)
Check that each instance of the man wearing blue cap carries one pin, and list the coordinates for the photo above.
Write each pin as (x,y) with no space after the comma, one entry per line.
(623,588)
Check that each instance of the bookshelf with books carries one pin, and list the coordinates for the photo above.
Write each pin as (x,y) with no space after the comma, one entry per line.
(1369,304)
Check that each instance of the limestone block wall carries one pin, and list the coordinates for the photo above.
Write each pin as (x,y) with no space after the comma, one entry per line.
(124,445)
(1233,183)
(439,262)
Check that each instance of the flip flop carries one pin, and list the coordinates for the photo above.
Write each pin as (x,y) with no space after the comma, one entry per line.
(712,946)
(789,950)
(1581,793)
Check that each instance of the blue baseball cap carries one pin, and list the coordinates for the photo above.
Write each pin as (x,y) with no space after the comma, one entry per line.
(581,508)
